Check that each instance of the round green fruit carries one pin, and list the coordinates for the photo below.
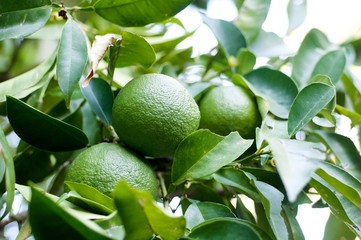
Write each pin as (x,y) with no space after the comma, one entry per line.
(153,113)
(102,166)
(229,108)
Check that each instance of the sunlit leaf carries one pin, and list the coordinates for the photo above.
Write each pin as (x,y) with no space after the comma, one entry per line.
(197,213)
(72,58)
(344,149)
(353,116)
(251,17)
(21,18)
(48,219)
(100,97)
(275,87)
(331,64)
(271,200)
(295,161)
(269,44)
(313,47)
(297,11)
(230,38)
(353,90)
(203,153)
(227,228)
(339,205)
(51,134)
(139,211)
(28,82)
(138,13)
(6,154)
(246,61)
(308,103)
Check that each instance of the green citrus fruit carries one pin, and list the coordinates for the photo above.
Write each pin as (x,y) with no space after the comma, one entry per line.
(153,113)
(103,165)
(229,108)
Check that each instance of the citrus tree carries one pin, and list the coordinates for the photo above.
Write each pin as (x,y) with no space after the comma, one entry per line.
(112,129)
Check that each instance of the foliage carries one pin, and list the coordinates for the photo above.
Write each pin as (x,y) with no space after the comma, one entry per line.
(52,107)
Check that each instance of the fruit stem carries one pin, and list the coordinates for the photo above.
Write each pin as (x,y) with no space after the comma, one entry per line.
(163,188)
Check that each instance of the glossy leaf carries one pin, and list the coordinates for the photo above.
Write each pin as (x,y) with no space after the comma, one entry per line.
(297,11)
(308,103)
(237,179)
(6,154)
(331,64)
(51,133)
(91,197)
(252,16)
(28,82)
(344,149)
(100,98)
(229,37)
(139,211)
(275,87)
(197,213)
(134,50)
(311,50)
(72,58)
(22,18)
(271,200)
(59,221)
(227,228)
(342,181)
(295,161)
(203,153)
(339,205)
(138,13)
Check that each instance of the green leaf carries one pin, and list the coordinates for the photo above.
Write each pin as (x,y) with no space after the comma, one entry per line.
(297,11)
(331,64)
(28,82)
(51,133)
(271,200)
(162,43)
(269,44)
(336,229)
(308,103)
(134,50)
(199,212)
(251,17)
(129,13)
(237,179)
(229,37)
(142,217)
(100,98)
(294,228)
(91,197)
(339,205)
(311,50)
(72,58)
(48,219)
(227,228)
(342,181)
(353,90)
(344,149)
(295,161)
(6,154)
(246,61)
(203,153)
(19,19)
(275,87)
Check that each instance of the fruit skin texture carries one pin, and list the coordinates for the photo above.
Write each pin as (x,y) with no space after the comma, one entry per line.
(229,108)
(153,113)
(103,165)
